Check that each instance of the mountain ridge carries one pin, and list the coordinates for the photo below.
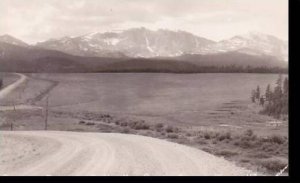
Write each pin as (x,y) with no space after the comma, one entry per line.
(34,60)
(135,42)
(144,43)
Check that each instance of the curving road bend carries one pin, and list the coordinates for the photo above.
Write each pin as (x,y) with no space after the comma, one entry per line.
(5,91)
(75,153)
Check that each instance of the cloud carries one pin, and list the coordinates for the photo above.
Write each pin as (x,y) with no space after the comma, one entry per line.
(37,20)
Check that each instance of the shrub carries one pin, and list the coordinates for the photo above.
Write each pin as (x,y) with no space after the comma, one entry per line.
(169,129)
(236,143)
(124,123)
(172,136)
(210,135)
(249,133)
(268,147)
(81,122)
(139,125)
(224,136)
(277,139)
(207,136)
(245,160)
(107,116)
(147,133)
(159,125)
(188,134)
(125,130)
(200,140)
(206,149)
(244,143)
(226,153)
(176,130)
(90,123)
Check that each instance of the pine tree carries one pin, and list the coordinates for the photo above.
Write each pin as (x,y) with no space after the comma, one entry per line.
(279,80)
(257,93)
(268,93)
(253,96)
(278,89)
(277,105)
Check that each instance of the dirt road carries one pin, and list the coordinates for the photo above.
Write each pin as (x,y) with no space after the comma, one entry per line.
(75,153)
(5,91)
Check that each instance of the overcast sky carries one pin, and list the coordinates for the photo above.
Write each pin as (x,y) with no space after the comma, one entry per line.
(38,20)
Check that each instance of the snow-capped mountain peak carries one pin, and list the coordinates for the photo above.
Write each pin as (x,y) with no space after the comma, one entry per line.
(142,42)
(134,42)
(251,43)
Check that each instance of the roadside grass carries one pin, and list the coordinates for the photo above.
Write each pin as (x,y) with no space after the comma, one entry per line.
(273,164)
(267,154)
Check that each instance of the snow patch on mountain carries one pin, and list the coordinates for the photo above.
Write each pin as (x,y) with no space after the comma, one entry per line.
(147,45)
(251,43)
(112,41)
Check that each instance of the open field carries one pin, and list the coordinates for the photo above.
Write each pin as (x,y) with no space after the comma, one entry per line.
(209,111)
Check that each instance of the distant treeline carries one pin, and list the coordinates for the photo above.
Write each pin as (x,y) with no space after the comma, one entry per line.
(185,67)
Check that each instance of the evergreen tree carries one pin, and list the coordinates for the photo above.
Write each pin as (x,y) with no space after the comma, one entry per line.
(278,89)
(278,100)
(253,96)
(268,93)
(262,101)
(257,93)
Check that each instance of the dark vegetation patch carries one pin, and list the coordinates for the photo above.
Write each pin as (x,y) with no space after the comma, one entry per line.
(89,123)
(226,153)
(172,136)
(273,164)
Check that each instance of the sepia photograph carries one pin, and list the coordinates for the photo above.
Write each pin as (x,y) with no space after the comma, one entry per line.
(144,88)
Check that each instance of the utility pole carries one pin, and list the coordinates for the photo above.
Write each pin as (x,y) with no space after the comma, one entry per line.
(46,112)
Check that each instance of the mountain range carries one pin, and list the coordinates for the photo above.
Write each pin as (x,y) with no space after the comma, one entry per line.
(141,42)
(114,49)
